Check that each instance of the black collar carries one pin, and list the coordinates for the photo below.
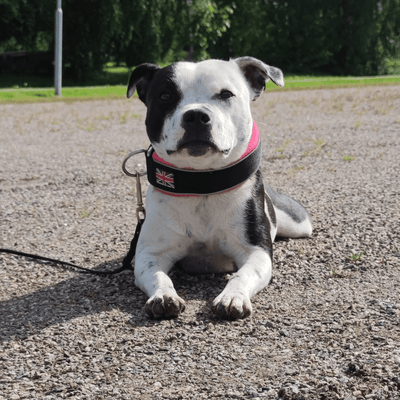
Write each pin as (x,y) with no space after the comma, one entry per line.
(187,182)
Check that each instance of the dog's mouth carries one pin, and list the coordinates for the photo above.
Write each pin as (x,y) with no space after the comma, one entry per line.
(197,147)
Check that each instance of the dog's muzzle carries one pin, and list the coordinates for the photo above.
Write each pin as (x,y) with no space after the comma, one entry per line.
(197,139)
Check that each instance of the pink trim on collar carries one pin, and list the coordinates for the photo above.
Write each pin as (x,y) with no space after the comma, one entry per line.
(255,137)
(253,143)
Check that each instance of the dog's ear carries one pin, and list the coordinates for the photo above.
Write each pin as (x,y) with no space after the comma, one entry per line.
(258,74)
(140,79)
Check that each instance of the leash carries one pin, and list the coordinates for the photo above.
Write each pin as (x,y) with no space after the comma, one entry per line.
(126,262)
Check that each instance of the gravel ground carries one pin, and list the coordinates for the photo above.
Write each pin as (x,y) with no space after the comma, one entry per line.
(328,325)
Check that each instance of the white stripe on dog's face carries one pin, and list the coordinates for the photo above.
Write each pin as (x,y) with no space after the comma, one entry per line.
(211,125)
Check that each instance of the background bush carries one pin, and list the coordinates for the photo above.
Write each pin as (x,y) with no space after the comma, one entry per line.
(343,37)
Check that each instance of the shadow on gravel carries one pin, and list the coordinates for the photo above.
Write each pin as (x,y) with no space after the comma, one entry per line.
(84,295)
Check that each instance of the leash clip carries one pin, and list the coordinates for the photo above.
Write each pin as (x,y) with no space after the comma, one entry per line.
(139,200)
(131,154)
(140,210)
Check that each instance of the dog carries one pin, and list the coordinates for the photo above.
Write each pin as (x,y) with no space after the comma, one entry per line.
(200,125)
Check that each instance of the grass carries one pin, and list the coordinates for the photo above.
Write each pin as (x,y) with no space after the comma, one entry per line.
(319,144)
(111,84)
(86,213)
(68,94)
(312,82)
(356,257)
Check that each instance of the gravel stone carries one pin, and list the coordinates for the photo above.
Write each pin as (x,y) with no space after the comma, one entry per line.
(327,326)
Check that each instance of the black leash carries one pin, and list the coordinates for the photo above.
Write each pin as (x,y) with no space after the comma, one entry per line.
(126,263)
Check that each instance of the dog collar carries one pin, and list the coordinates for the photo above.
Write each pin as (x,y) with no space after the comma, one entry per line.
(174,181)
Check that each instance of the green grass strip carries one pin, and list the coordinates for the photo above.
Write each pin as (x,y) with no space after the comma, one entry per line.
(304,82)
(68,94)
(71,94)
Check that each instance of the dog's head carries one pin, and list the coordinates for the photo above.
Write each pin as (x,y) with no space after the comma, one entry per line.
(198,114)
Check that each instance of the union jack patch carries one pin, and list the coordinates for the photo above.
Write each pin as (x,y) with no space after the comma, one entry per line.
(165,179)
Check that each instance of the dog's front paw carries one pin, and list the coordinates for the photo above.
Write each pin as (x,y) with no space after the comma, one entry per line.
(232,306)
(164,305)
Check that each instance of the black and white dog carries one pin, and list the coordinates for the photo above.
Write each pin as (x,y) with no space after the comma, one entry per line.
(207,206)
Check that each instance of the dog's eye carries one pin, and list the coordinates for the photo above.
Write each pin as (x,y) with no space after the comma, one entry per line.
(225,94)
(164,96)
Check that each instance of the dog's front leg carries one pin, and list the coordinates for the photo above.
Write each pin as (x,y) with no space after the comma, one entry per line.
(151,276)
(254,273)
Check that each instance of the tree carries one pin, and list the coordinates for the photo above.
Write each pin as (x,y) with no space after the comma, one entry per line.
(157,30)
(145,30)
(88,27)
(339,36)
(292,35)
(366,36)
(26,25)
(206,22)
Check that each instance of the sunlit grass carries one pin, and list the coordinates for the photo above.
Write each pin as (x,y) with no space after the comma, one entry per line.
(68,94)
(111,84)
(297,82)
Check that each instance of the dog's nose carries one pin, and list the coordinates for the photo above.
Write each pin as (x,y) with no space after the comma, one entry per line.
(197,139)
(195,117)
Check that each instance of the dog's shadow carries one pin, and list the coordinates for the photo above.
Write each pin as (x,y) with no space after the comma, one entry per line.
(85,295)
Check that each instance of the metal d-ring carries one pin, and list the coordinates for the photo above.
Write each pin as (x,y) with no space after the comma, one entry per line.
(131,154)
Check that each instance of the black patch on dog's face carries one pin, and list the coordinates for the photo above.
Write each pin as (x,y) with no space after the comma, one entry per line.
(257,224)
(162,98)
(258,73)
(257,81)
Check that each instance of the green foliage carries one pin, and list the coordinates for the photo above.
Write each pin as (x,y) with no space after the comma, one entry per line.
(87,30)
(207,22)
(143,30)
(26,25)
(157,30)
(366,36)
(343,37)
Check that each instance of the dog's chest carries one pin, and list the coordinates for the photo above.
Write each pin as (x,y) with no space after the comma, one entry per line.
(209,230)
(206,258)
(211,233)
